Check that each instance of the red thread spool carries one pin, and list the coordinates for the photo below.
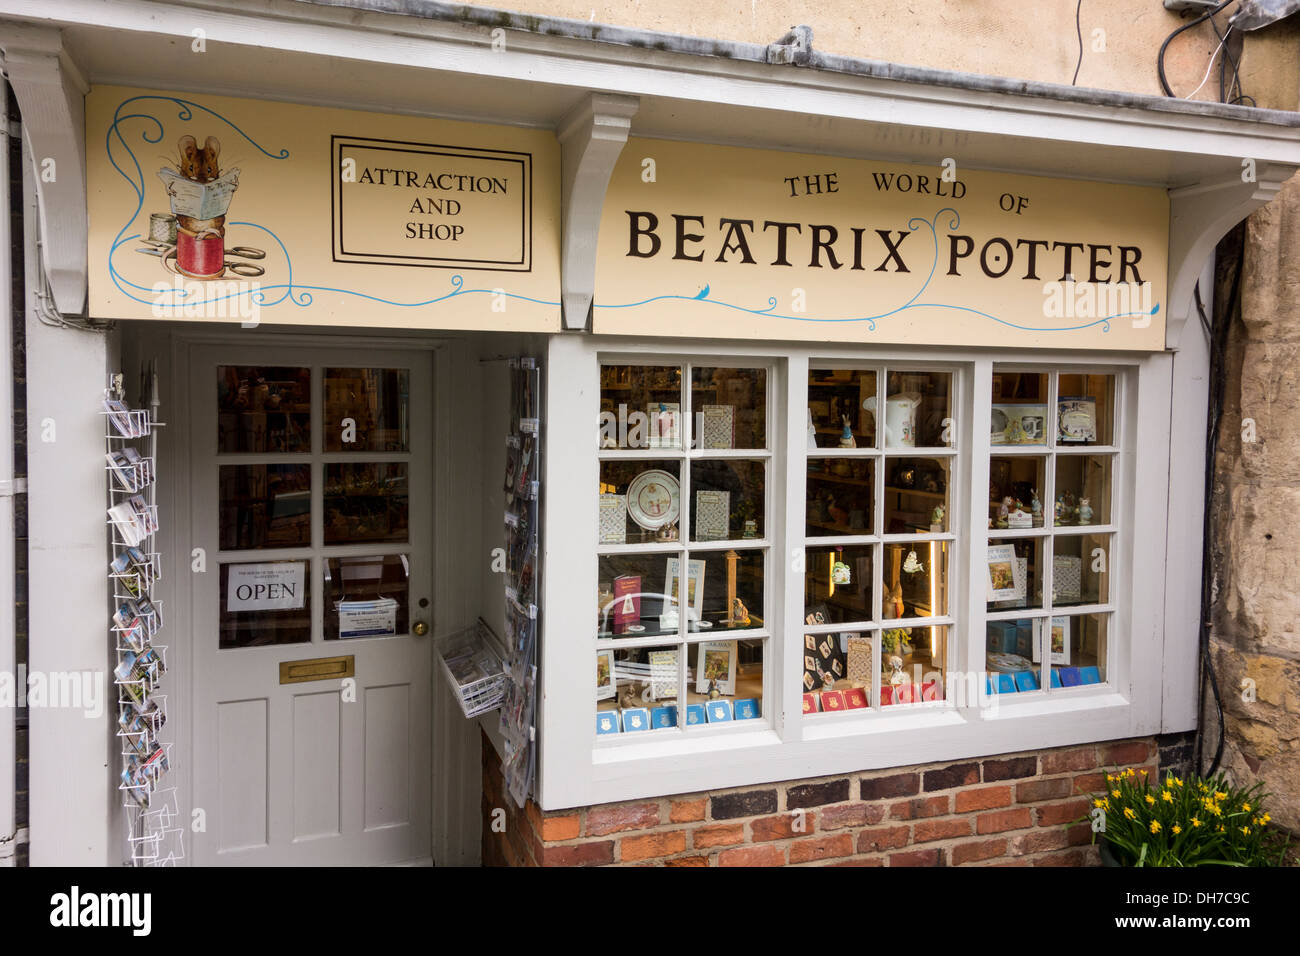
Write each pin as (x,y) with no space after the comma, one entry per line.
(200,255)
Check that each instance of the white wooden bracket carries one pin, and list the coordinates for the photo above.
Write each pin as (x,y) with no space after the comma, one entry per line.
(51,94)
(591,138)
(1199,216)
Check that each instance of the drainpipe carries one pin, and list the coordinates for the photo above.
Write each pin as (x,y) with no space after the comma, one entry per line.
(8,649)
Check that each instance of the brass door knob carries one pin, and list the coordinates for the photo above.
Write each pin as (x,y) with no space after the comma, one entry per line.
(419,628)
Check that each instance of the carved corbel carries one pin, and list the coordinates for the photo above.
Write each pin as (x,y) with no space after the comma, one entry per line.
(591,138)
(1199,216)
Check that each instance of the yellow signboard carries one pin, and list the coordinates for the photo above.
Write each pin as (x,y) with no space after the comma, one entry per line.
(214,208)
(716,241)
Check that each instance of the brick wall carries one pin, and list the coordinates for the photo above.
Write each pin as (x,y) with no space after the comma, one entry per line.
(1009,810)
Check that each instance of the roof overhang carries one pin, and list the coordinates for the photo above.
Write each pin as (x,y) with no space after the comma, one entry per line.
(425,58)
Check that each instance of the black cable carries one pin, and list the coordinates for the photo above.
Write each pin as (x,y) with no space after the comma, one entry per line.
(1078,28)
(1160,57)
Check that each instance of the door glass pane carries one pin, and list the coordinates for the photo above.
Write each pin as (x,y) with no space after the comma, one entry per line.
(1013,574)
(263,409)
(1016,484)
(264,603)
(365,502)
(1019,413)
(367,409)
(1085,409)
(265,506)
(1082,490)
(915,579)
(367,596)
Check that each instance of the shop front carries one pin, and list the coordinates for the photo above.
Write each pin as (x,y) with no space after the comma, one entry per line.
(873,450)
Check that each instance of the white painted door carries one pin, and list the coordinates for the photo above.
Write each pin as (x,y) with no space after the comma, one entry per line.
(311,497)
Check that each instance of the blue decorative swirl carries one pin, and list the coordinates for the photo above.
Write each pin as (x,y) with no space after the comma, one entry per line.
(913,224)
(177,295)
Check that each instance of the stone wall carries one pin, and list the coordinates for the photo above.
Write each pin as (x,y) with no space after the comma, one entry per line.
(1019,809)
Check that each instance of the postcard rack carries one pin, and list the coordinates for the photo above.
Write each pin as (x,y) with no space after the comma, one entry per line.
(154,828)
(473,669)
(523,491)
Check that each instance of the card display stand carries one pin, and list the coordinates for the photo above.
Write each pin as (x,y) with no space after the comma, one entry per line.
(153,823)
(523,490)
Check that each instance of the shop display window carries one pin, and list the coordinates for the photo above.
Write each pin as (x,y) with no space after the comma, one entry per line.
(888,518)
(1054,551)
(683,553)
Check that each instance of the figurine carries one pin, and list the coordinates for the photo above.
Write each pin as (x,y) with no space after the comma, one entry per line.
(896,666)
(1004,511)
(846,437)
(936,518)
(840,573)
(714,693)
(911,565)
(1036,506)
(1061,510)
(739,613)
(842,468)
(668,532)
(1085,511)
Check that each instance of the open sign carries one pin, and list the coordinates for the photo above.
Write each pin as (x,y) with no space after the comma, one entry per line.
(266,587)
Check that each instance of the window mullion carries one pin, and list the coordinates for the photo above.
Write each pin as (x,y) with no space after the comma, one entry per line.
(973,624)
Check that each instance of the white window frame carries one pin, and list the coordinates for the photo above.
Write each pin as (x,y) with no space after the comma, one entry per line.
(576,770)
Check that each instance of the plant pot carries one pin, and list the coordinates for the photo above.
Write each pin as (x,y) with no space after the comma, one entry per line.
(1107,857)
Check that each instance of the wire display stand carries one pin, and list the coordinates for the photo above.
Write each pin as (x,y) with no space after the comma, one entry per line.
(523,571)
(473,670)
(154,828)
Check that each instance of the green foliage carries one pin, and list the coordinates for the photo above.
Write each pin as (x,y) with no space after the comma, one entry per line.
(1198,822)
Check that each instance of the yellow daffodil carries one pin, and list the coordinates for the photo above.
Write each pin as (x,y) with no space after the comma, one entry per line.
(1177,829)
(1195,823)
(1246,807)
(1150,800)
(1115,794)
(1128,812)
(1246,830)
(1155,826)
(1266,818)
(1099,803)
(1167,797)
(1220,795)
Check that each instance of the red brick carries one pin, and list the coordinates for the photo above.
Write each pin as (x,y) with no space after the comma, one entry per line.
(749,803)
(625,816)
(1036,791)
(652,845)
(688,861)
(1131,752)
(555,829)
(1079,834)
(687,811)
(1039,841)
(1062,761)
(882,838)
(1090,782)
(974,852)
(1079,856)
(850,815)
(860,861)
(982,798)
(1012,863)
(579,854)
(1002,820)
(898,785)
(728,834)
(821,848)
(1052,814)
(768,855)
(781,826)
(928,830)
(915,858)
(817,794)
(920,807)
(954,775)
(1012,769)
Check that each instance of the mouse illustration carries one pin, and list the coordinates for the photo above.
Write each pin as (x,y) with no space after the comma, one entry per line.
(199,164)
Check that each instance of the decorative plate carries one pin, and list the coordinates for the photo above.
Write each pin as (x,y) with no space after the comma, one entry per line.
(653,499)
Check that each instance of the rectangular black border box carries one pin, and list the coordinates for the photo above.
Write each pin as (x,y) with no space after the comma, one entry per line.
(525,160)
